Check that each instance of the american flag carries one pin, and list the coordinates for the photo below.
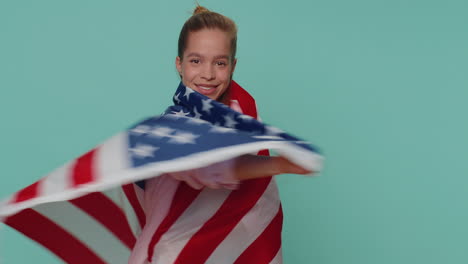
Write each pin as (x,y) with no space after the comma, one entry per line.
(91,209)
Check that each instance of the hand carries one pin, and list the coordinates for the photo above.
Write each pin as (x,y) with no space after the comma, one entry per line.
(283,165)
(255,166)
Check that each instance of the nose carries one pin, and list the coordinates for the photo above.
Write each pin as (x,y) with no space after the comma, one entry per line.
(208,72)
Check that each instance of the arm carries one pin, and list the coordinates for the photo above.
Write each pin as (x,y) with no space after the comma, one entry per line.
(228,174)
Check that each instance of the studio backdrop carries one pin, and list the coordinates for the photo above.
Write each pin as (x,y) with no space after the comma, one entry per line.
(380,86)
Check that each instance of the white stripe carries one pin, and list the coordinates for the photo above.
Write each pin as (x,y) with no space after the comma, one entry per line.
(140,194)
(4,203)
(278,259)
(201,209)
(57,181)
(112,156)
(159,193)
(249,228)
(87,230)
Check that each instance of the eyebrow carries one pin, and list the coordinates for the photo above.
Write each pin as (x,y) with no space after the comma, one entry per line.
(222,57)
(194,54)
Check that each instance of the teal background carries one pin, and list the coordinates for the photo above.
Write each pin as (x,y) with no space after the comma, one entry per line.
(380,86)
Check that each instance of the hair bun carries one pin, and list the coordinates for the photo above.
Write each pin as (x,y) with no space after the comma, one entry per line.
(200,9)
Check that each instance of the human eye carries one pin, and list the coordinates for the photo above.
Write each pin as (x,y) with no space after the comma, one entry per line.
(220,63)
(195,61)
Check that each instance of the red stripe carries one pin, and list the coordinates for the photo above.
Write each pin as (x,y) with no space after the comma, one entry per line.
(83,170)
(135,203)
(183,197)
(104,210)
(214,231)
(53,237)
(27,193)
(246,101)
(266,246)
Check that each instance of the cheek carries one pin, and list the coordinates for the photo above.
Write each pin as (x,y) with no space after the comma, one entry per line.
(188,73)
(224,75)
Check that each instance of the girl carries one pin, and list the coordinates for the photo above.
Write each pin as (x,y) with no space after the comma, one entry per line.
(204,199)
(205,215)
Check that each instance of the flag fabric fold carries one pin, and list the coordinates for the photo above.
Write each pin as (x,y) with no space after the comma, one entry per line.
(90,209)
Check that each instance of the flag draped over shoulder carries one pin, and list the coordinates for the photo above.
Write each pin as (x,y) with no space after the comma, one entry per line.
(89,210)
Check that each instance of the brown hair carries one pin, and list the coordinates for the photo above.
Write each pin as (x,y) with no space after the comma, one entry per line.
(203,18)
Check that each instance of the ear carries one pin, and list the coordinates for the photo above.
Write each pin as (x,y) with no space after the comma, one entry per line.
(178,64)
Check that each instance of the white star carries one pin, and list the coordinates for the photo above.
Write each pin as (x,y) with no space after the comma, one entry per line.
(197,114)
(143,151)
(229,121)
(176,98)
(220,129)
(160,131)
(188,91)
(206,105)
(183,138)
(180,113)
(273,130)
(141,129)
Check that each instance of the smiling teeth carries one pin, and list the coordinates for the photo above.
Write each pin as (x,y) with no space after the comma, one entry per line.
(206,88)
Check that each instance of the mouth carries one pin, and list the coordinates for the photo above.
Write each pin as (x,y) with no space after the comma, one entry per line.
(206,89)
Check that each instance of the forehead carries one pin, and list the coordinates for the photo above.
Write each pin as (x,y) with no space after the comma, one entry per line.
(208,42)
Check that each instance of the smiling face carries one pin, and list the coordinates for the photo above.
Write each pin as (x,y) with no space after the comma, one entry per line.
(207,64)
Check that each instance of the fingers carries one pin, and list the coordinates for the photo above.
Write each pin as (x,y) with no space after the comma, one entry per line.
(187,177)
(286,166)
